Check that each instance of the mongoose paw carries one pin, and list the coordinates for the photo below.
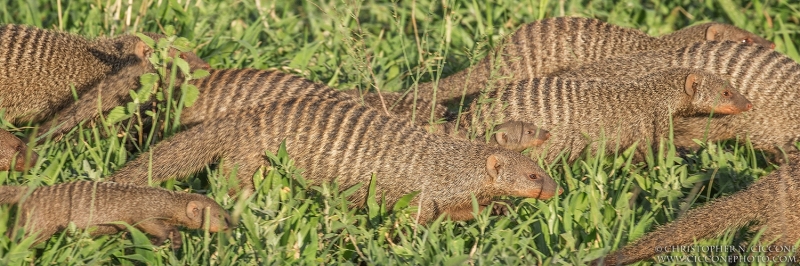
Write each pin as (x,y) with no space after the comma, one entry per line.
(500,207)
(175,238)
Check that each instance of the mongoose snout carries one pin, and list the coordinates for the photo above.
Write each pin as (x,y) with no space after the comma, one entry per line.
(13,152)
(219,220)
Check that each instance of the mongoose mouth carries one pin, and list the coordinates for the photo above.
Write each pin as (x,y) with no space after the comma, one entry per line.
(727,109)
(542,194)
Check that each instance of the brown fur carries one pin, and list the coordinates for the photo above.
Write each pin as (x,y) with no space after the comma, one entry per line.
(422,112)
(95,205)
(347,142)
(511,135)
(226,91)
(539,48)
(769,79)
(771,203)
(13,153)
(581,112)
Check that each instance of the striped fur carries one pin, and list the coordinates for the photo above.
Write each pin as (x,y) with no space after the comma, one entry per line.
(13,153)
(771,204)
(549,45)
(421,112)
(47,210)
(579,112)
(769,79)
(347,142)
(226,91)
(38,66)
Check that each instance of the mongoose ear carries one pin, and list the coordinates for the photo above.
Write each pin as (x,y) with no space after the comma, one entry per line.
(691,85)
(142,50)
(501,138)
(493,166)
(194,210)
(711,32)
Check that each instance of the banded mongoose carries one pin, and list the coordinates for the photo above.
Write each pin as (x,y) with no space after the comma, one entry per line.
(768,78)
(38,68)
(539,48)
(96,205)
(348,142)
(13,153)
(580,112)
(771,203)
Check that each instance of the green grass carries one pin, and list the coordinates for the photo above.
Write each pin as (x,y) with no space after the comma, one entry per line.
(389,46)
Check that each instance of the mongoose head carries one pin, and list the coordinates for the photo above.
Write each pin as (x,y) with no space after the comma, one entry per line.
(518,136)
(13,150)
(511,174)
(726,32)
(710,93)
(200,207)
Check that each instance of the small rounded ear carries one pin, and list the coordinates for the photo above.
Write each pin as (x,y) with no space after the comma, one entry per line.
(493,166)
(142,50)
(711,32)
(501,138)
(194,210)
(691,84)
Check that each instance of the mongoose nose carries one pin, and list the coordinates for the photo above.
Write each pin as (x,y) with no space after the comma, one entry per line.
(748,107)
(560,190)
(772,46)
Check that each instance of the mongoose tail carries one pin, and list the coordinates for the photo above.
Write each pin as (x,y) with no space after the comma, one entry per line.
(196,147)
(97,205)
(13,153)
(771,203)
(713,31)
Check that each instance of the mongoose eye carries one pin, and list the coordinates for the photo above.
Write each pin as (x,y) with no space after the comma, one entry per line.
(747,40)
(533,176)
(726,93)
(529,132)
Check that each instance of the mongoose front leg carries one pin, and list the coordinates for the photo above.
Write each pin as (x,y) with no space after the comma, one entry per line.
(160,232)
(463,213)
